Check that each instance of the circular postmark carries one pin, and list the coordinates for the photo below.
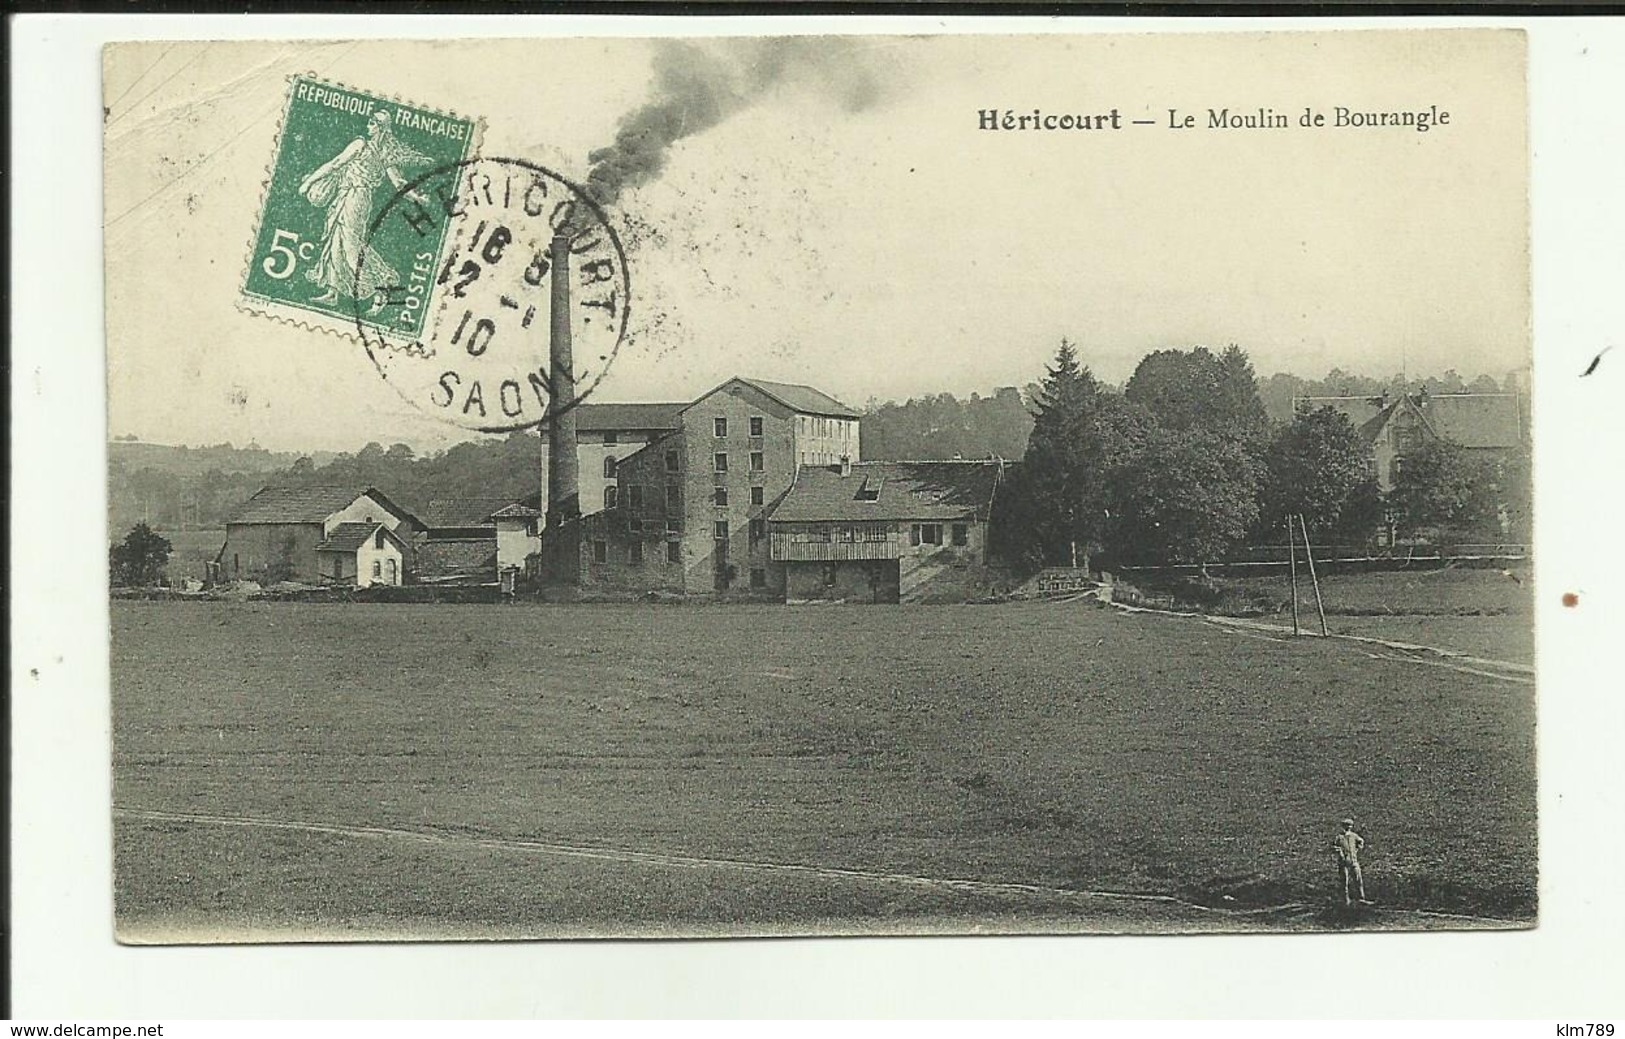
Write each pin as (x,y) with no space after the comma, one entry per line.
(469,332)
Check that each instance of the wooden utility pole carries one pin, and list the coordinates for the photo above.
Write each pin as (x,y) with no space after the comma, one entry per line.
(1309,553)
(1292,556)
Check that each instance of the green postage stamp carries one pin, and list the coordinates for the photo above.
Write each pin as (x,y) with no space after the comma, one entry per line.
(341,156)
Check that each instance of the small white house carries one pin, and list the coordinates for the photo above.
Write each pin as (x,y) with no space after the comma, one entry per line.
(362,554)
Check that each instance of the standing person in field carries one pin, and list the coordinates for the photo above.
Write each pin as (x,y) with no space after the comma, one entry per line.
(344,186)
(1348,845)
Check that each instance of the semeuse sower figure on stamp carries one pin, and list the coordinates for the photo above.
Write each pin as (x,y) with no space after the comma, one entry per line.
(1348,845)
(344,186)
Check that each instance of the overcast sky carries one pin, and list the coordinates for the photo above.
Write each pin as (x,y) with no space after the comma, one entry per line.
(846,224)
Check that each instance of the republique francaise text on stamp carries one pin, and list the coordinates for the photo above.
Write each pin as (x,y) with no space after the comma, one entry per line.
(340,153)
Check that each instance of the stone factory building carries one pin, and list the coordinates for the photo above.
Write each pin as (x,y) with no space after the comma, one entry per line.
(691,506)
(605,434)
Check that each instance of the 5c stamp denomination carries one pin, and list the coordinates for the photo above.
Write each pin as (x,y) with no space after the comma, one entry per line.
(341,155)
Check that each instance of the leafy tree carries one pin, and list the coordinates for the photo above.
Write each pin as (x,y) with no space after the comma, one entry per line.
(1317,466)
(140,559)
(1188,496)
(1363,514)
(1194,389)
(1441,489)
(1518,494)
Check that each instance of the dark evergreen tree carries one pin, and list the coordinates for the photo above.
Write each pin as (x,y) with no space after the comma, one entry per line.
(140,559)
(1058,509)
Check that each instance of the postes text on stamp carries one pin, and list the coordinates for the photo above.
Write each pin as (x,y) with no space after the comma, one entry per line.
(342,154)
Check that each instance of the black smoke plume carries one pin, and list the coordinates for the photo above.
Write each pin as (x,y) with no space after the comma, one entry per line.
(697,86)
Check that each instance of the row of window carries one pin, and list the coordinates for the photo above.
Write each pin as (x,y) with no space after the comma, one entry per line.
(758,463)
(635,556)
(674,525)
(719,496)
(857,532)
(840,428)
(919,534)
(822,457)
(719,426)
(377,569)
(634,552)
(758,529)
(931,534)
(634,497)
(615,438)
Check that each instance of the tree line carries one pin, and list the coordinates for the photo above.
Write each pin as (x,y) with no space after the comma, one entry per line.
(1184,464)
(171,491)
(1192,454)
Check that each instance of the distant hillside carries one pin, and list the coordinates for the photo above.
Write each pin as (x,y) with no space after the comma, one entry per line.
(199,488)
(195,461)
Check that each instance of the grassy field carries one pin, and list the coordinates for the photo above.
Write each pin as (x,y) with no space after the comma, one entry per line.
(1481,612)
(533,770)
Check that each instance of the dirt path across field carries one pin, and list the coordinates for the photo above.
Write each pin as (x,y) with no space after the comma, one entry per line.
(1053,909)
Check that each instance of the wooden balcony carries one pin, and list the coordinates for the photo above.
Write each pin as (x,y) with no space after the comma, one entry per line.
(787,550)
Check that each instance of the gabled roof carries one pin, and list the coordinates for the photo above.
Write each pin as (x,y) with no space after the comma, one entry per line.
(803,399)
(347,537)
(1476,419)
(467,557)
(610,418)
(1492,420)
(900,490)
(296,504)
(463,512)
(516,511)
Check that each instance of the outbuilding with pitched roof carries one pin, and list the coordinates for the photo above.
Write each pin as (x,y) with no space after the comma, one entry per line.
(363,555)
(276,535)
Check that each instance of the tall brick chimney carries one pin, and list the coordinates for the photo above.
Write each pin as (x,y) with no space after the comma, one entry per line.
(563,532)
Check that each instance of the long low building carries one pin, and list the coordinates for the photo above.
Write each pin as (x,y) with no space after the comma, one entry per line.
(882,531)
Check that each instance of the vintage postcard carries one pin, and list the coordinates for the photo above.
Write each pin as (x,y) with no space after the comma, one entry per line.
(820,485)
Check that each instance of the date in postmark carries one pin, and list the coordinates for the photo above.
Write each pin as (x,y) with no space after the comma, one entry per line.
(532,264)
(342,154)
